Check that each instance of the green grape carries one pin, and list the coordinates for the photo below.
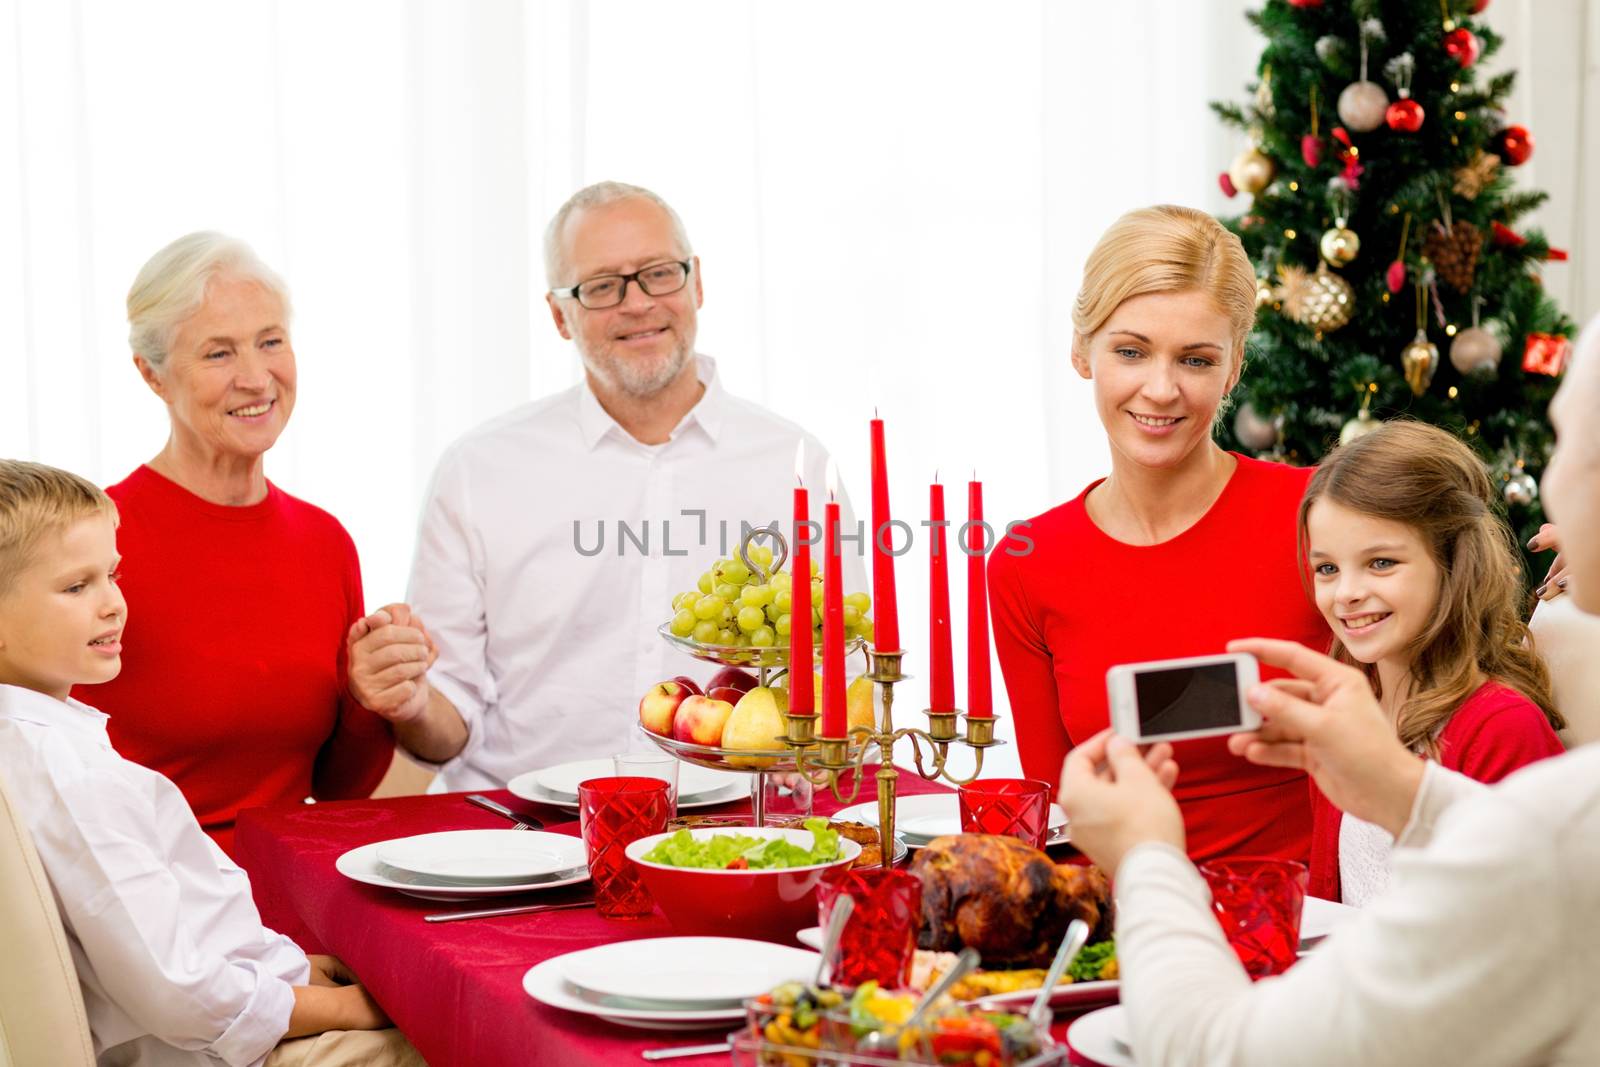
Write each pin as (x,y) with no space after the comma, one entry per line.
(865,629)
(782,582)
(683,623)
(816,594)
(684,600)
(734,571)
(726,590)
(851,617)
(860,601)
(783,599)
(726,637)
(709,607)
(772,612)
(705,633)
(816,568)
(741,640)
(706,582)
(781,627)
(725,620)
(763,637)
(750,619)
(762,554)
(756,596)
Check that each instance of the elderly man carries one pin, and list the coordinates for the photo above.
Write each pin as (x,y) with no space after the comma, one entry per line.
(1483,948)
(555,536)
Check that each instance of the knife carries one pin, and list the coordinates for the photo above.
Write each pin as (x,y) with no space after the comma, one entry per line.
(489,913)
(500,809)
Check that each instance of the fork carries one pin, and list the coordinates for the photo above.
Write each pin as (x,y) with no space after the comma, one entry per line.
(521,822)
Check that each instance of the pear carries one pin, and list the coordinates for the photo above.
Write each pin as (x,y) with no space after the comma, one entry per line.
(756,725)
(858,703)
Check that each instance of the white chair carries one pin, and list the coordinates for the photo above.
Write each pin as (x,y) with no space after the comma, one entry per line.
(42,1021)
(1569,641)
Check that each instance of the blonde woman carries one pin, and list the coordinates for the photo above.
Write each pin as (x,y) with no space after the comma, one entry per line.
(234,682)
(1182,547)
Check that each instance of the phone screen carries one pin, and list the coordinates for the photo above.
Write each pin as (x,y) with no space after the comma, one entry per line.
(1187,698)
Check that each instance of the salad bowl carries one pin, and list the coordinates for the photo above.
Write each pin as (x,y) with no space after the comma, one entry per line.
(749,900)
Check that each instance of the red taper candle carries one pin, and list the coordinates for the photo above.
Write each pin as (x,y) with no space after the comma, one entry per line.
(885,616)
(941,681)
(980,704)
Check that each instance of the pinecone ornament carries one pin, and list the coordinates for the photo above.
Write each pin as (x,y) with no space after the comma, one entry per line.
(1453,251)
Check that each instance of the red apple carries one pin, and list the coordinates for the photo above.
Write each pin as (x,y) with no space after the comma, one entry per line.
(726,692)
(660,705)
(690,684)
(734,678)
(700,720)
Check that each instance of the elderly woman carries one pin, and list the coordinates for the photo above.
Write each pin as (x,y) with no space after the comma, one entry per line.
(1482,949)
(234,683)
(1201,540)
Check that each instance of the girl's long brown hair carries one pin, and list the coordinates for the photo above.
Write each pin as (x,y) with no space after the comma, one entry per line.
(1424,477)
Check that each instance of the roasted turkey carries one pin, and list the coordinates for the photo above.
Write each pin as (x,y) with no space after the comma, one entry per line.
(1006,899)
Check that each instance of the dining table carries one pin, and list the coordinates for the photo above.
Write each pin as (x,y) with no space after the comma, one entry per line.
(455,988)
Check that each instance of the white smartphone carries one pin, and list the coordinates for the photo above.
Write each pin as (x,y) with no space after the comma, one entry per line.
(1174,699)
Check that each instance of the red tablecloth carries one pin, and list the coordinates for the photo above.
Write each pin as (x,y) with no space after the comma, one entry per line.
(454,988)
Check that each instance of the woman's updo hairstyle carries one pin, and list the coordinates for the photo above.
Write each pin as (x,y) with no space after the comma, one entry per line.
(1166,249)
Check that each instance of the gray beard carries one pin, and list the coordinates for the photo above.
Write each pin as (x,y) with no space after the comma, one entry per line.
(632,380)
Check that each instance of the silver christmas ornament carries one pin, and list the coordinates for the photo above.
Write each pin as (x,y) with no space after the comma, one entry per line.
(1362,106)
(1329,49)
(1359,426)
(1476,353)
(1521,490)
(1252,430)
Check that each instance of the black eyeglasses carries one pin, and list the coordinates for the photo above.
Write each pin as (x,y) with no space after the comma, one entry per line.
(609,290)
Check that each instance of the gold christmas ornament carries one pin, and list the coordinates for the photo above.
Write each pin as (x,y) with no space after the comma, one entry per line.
(1264,293)
(1472,178)
(1340,245)
(1362,106)
(1419,360)
(1322,300)
(1521,490)
(1476,353)
(1252,171)
(1359,426)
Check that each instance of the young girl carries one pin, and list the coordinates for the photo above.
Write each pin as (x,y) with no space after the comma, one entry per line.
(1416,573)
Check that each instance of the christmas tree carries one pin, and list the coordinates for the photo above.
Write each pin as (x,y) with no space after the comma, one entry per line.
(1394,277)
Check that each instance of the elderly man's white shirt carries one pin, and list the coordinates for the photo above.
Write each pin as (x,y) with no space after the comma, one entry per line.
(175,966)
(545,645)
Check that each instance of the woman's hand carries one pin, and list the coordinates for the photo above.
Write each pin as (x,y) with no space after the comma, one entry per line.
(1329,725)
(1115,798)
(1555,580)
(390,653)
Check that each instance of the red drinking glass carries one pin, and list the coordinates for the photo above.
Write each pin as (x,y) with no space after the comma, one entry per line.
(1258,902)
(880,937)
(1019,807)
(613,813)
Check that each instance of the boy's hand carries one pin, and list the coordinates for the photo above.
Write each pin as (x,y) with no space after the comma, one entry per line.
(330,971)
(390,653)
(1116,798)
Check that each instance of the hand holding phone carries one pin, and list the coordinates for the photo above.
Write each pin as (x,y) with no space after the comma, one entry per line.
(1175,699)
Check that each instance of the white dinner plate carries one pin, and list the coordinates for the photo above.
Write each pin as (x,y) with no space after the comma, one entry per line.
(546,983)
(694,781)
(510,856)
(362,865)
(1319,918)
(1102,1036)
(673,972)
(926,816)
(525,786)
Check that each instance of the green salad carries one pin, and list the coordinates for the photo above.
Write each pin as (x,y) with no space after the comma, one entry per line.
(735,851)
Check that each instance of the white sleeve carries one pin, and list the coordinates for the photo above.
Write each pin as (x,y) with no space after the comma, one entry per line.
(447,590)
(1429,973)
(121,903)
(1441,790)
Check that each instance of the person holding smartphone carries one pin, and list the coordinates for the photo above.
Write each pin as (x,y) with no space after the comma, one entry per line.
(1182,547)
(1481,949)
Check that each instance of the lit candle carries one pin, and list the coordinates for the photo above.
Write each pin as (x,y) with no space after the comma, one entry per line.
(801,698)
(979,703)
(833,694)
(941,685)
(885,618)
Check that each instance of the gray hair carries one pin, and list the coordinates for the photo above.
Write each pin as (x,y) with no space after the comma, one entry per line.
(599,195)
(172,285)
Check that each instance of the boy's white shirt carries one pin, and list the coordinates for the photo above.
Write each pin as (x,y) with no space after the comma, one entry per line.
(175,965)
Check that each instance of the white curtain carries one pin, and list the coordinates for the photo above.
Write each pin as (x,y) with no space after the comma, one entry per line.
(891,201)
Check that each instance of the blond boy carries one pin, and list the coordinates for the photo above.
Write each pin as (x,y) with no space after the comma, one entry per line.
(174,963)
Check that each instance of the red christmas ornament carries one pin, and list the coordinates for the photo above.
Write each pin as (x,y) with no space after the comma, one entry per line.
(1395,276)
(1514,144)
(1311,150)
(1348,155)
(1478,6)
(1545,353)
(1505,236)
(1313,3)
(1463,46)
(1228,189)
(1404,116)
